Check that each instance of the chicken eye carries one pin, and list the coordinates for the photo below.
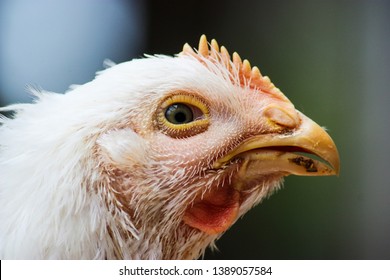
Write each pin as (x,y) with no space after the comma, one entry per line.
(182,115)
(179,113)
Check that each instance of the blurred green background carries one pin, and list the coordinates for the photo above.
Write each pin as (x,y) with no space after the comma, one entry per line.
(331,58)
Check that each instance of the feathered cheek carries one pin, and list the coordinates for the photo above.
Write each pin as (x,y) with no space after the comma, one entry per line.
(123,148)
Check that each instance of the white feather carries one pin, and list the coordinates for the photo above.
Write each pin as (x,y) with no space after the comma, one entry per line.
(56,194)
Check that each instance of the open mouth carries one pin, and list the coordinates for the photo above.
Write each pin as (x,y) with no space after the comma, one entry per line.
(216,210)
(307,151)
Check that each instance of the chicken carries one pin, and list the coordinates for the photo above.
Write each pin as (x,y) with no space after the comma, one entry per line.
(154,159)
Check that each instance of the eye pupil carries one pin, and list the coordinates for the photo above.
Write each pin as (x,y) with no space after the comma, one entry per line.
(179,113)
(180,117)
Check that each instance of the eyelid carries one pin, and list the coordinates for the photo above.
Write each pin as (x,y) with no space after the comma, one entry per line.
(187,99)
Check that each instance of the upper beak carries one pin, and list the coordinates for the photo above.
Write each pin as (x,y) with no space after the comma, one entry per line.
(290,153)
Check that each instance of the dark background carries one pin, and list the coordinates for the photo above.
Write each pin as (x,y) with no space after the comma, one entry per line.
(331,58)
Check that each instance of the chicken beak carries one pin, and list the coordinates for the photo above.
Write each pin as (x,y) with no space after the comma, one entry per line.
(305,151)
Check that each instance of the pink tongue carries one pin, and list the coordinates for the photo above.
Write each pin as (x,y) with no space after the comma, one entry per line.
(215,212)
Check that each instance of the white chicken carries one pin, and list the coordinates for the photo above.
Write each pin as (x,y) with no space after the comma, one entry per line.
(153,159)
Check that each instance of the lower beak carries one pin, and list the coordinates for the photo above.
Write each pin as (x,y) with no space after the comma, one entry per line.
(306,151)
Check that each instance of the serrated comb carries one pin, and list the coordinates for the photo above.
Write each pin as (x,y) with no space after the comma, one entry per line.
(248,76)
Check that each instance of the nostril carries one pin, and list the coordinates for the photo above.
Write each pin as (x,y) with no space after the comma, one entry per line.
(282,116)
